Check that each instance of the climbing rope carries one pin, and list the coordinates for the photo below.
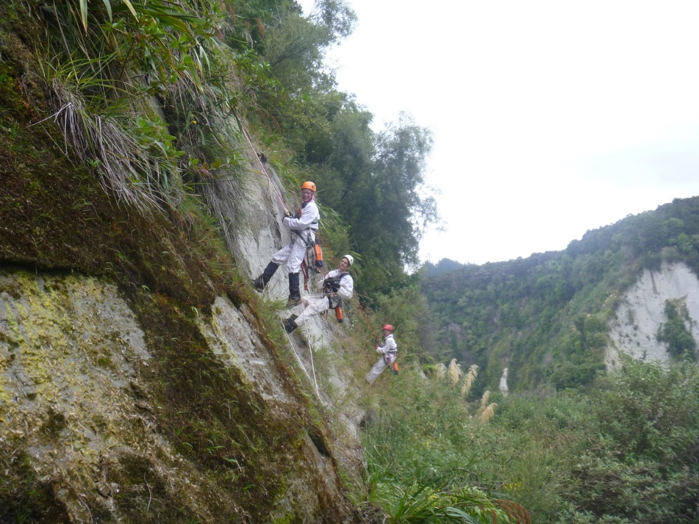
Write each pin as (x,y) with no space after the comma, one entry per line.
(266,173)
(293,348)
(310,350)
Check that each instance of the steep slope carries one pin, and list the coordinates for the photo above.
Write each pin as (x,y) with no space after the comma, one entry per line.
(142,378)
(556,318)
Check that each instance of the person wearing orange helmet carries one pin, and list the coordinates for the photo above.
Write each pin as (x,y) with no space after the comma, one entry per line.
(388,351)
(303,226)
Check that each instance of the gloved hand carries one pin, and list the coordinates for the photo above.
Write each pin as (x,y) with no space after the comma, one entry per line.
(288,214)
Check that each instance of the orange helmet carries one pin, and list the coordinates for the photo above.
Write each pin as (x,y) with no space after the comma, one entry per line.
(309,185)
(388,326)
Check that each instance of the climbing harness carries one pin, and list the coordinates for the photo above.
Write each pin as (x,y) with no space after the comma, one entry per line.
(331,286)
(391,362)
(310,262)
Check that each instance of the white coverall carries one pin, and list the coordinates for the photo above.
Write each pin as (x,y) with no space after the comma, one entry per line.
(316,305)
(306,225)
(388,357)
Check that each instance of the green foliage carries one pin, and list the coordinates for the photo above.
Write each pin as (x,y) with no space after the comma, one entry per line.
(390,211)
(626,452)
(423,504)
(642,464)
(420,459)
(158,79)
(108,6)
(674,332)
(569,375)
(383,200)
(295,46)
(112,79)
(443,266)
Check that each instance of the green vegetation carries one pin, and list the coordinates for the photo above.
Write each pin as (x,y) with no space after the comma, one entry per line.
(152,96)
(624,452)
(169,262)
(679,339)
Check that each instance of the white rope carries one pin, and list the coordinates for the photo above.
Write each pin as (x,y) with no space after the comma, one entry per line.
(264,170)
(310,350)
(293,348)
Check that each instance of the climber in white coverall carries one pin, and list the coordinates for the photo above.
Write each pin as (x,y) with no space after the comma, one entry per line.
(337,285)
(303,226)
(388,354)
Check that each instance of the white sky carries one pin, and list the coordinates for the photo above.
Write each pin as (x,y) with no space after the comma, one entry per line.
(549,118)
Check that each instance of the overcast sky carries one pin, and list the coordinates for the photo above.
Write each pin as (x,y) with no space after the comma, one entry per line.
(549,118)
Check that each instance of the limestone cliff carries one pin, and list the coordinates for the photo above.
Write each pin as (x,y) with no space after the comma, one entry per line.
(641,313)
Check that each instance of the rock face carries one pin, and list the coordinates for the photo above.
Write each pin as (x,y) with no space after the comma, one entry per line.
(251,211)
(140,378)
(642,313)
(83,422)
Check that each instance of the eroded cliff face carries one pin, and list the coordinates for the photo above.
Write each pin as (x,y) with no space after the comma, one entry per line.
(641,313)
(141,378)
(83,419)
(250,211)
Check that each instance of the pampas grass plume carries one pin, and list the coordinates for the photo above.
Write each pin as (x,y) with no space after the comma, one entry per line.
(455,372)
(484,400)
(469,378)
(440,370)
(487,413)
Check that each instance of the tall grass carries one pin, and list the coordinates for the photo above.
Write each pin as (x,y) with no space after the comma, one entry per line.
(129,168)
(123,76)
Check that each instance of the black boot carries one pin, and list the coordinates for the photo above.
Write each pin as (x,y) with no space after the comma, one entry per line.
(289,324)
(261,282)
(294,292)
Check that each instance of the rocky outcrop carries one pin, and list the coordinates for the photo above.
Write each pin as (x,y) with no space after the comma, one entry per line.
(641,313)
(141,378)
(84,423)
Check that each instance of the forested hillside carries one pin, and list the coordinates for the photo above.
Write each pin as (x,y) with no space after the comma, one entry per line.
(546,317)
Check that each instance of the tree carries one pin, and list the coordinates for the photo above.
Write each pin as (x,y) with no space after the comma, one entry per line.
(681,343)
(385,204)
(295,46)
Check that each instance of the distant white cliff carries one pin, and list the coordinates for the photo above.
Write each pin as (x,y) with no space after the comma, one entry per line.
(642,312)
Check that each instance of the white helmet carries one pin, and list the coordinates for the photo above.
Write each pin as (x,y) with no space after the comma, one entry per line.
(349,258)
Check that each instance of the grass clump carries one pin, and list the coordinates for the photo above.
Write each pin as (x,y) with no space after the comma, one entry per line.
(425,504)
